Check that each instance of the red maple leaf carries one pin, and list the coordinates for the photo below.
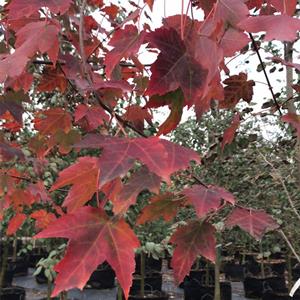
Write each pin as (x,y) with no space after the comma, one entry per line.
(160,156)
(175,66)
(15,223)
(229,133)
(126,43)
(52,120)
(191,240)
(207,199)
(52,79)
(8,152)
(255,222)
(83,175)
(279,27)
(238,87)
(25,8)
(43,218)
(285,6)
(34,37)
(93,239)
(138,182)
(165,205)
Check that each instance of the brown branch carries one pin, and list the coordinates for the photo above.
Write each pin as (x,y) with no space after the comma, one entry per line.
(265,73)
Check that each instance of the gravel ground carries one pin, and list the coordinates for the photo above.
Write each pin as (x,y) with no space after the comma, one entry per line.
(36,291)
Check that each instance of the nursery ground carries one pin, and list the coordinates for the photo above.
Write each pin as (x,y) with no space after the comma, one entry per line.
(36,291)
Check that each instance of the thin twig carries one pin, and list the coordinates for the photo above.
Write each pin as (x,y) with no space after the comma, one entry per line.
(283,185)
(81,36)
(289,244)
(265,73)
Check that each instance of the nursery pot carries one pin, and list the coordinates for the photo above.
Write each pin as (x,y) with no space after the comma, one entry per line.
(151,264)
(200,292)
(102,278)
(153,282)
(41,278)
(255,287)
(12,293)
(20,266)
(234,271)
(35,256)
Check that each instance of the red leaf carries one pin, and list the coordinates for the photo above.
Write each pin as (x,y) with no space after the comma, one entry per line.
(93,115)
(206,200)
(43,218)
(126,43)
(150,3)
(165,205)
(64,141)
(15,223)
(238,87)
(255,222)
(140,181)
(254,4)
(25,8)
(191,240)
(175,67)
(285,6)
(83,175)
(33,37)
(206,5)
(294,120)
(137,116)
(161,156)
(38,191)
(233,40)
(52,120)
(52,79)
(19,198)
(229,133)
(7,152)
(279,27)
(93,239)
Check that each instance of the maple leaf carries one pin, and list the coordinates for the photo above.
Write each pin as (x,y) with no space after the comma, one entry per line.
(138,182)
(12,102)
(150,3)
(232,41)
(191,240)
(279,27)
(126,43)
(229,133)
(18,198)
(137,115)
(32,38)
(254,4)
(94,116)
(165,205)
(238,87)
(175,67)
(8,152)
(230,11)
(83,175)
(255,222)
(93,239)
(285,6)
(294,120)
(52,120)
(15,223)
(160,156)
(24,8)
(64,141)
(207,199)
(38,190)
(52,79)
(43,218)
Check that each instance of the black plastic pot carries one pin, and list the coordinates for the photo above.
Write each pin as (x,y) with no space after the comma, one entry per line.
(192,292)
(234,271)
(296,272)
(102,278)
(8,275)
(20,266)
(41,278)
(151,264)
(35,256)
(153,282)
(255,287)
(12,293)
